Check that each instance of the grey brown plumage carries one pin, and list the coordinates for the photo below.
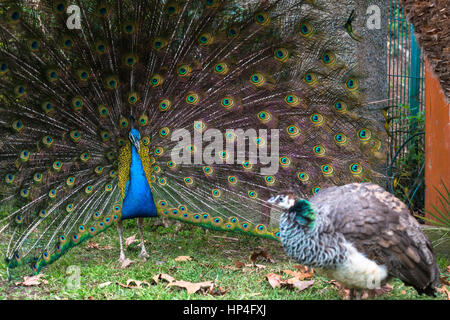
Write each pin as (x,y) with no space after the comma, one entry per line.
(378,225)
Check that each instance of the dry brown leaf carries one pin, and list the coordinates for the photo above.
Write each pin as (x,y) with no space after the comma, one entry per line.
(131,240)
(32,281)
(302,285)
(125,263)
(261,252)
(380,291)
(344,292)
(104,284)
(274,279)
(217,291)
(90,298)
(163,276)
(300,275)
(239,264)
(372,293)
(95,245)
(444,280)
(403,292)
(137,284)
(445,291)
(190,286)
(183,258)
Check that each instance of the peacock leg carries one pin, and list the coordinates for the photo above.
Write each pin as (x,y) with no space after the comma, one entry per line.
(143,253)
(120,230)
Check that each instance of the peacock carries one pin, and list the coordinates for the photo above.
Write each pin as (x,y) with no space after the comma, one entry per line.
(194,110)
(358,234)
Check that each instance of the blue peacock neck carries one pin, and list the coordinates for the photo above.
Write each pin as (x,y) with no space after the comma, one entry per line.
(138,202)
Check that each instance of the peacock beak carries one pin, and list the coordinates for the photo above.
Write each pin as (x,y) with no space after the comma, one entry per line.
(135,142)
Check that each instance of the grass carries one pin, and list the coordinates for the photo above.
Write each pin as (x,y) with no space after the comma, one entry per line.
(212,253)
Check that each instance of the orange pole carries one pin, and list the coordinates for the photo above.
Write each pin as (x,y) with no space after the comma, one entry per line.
(437,140)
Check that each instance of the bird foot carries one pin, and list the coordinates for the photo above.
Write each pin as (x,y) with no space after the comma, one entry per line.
(144,255)
(122,258)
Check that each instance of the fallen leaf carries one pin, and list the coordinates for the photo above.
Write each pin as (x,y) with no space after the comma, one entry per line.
(183,258)
(302,285)
(380,291)
(104,284)
(91,298)
(300,275)
(32,281)
(217,291)
(261,252)
(125,263)
(274,279)
(131,240)
(163,276)
(239,264)
(344,292)
(445,291)
(403,292)
(137,284)
(95,245)
(190,286)
(444,280)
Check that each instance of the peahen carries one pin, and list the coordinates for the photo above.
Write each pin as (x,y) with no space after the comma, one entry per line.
(358,234)
(194,110)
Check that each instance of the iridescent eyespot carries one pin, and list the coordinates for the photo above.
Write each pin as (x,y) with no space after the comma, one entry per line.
(232,32)
(70,181)
(227,102)
(103,10)
(9,178)
(57,165)
(82,74)
(34,44)
(340,107)
(52,194)
(211,3)
(108,187)
(164,132)
(47,107)
(3,68)
(319,150)
(20,90)
(145,141)
(59,7)
(191,148)
(292,100)
(143,120)
(216,193)
(123,122)
(352,84)
(233,180)
(257,79)
(111,82)
(159,43)
(310,78)
(260,228)
(316,189)
(172,8)
(264,116)
(164,105)
(364,135)
(159,151)
(317,119)
(100,47)
(205,39)
(105,135)
(75,135)
(285,162)
(356,168)
(303,176)
(24,155)
(77,104)
(221,68)
(208,170)
(88,189)
(156,80)
(340,139)
(262,18)
(17,125)
(252,194)
(293,131)
(192,98)
(129,27)
(188,181)
(14,15)
(67,42)
(247,165)
(327,169)
(70,207)
(84,157)
(133,98)
(328,58)
(260,141)
(281,54)
(230,136)
(306,30)
(270,180)
(184,70)
(42,213)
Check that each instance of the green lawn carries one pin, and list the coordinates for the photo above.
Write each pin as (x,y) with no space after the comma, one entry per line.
(213,253)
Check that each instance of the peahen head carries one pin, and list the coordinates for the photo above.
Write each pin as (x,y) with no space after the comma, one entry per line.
(135,138)
(297,211)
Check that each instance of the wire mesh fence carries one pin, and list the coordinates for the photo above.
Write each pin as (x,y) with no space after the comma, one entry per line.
(405,114)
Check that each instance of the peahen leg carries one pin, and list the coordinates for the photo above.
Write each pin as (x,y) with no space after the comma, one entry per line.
(120,230)
(143,253)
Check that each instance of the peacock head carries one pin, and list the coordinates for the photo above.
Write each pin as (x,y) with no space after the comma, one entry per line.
(135,138)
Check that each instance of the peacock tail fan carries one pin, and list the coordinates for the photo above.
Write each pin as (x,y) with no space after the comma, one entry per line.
(234,102)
